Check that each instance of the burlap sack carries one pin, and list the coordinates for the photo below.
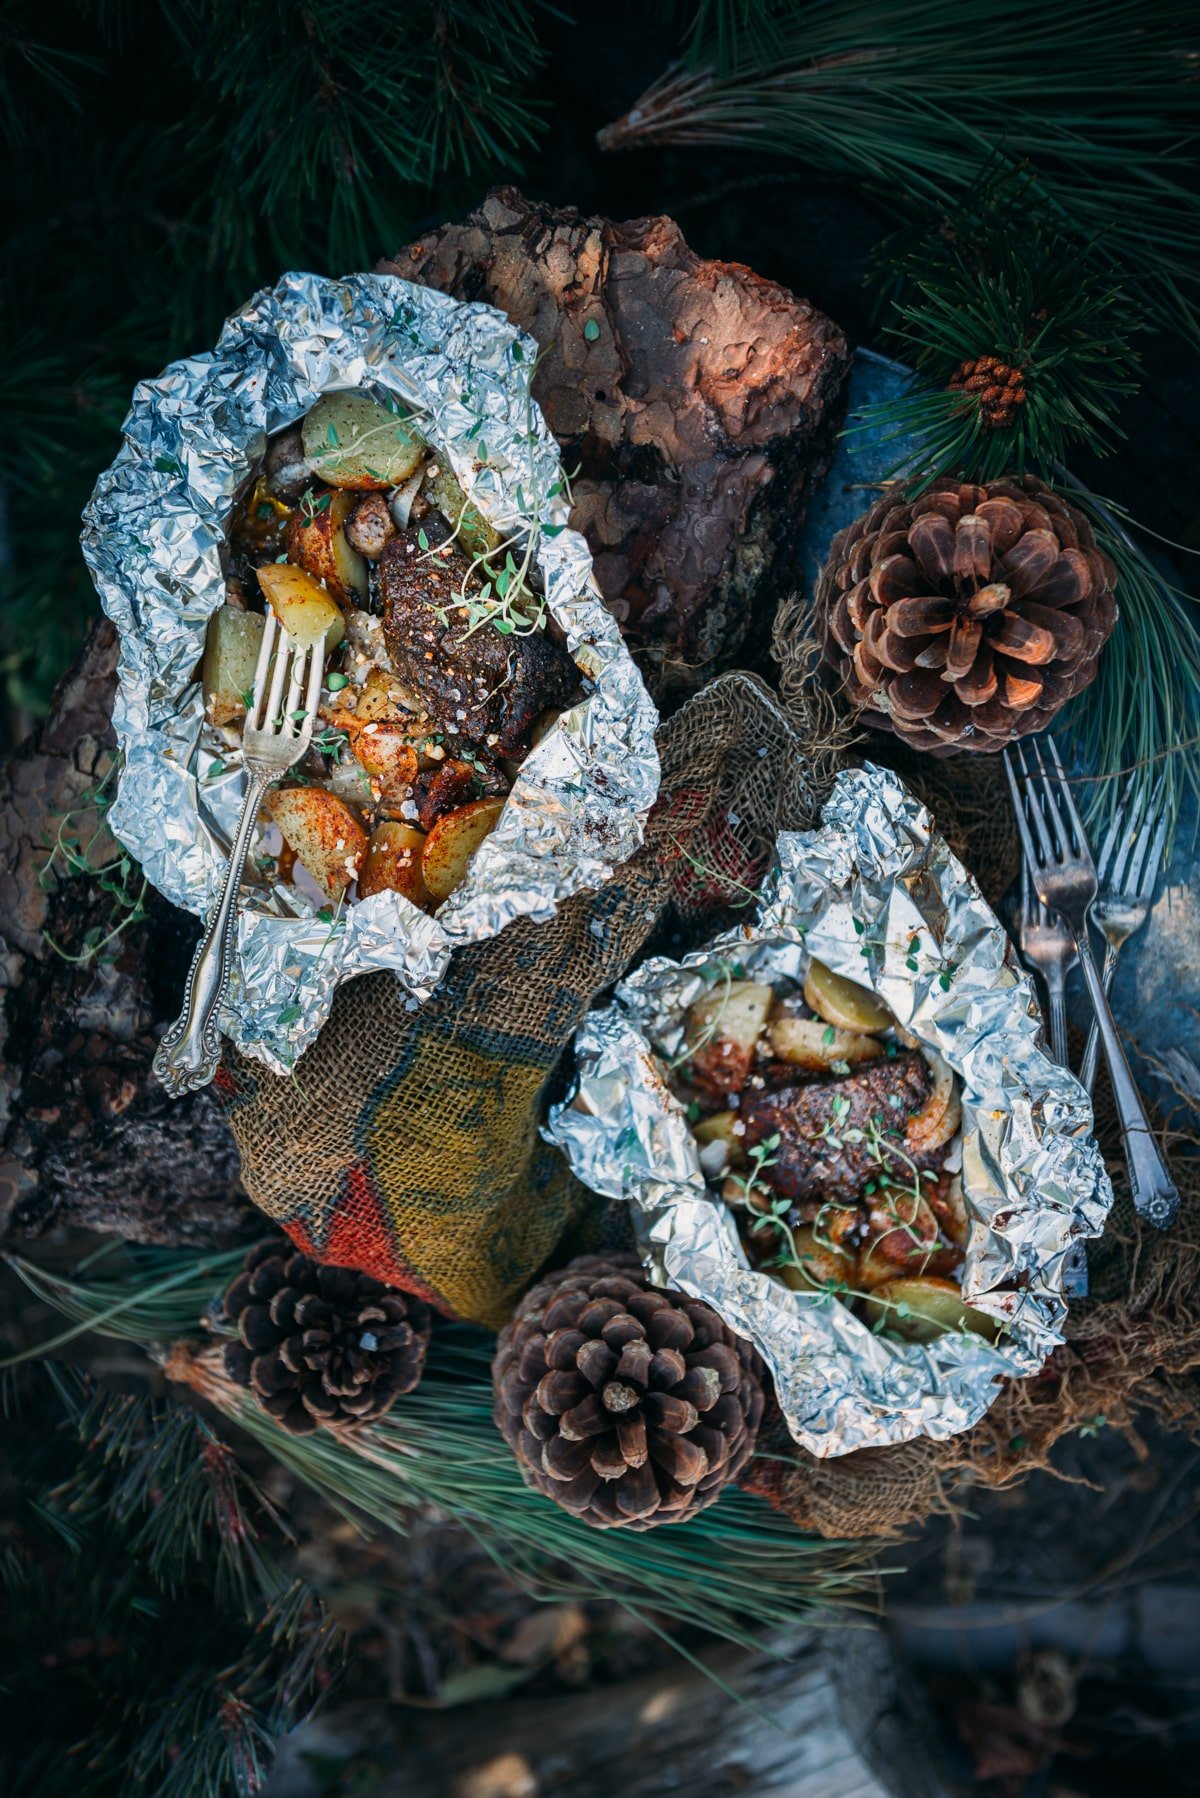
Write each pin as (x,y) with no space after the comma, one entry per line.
(406,1142)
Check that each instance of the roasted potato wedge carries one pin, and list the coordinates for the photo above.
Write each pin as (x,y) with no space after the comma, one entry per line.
(379,697)
(903,1240)
(316,542)
(817,1263)
(393,864)
(722,1032)
(453,841)
(302,606)
(843,1002)
(352,442)
(721,1127)
(475,535)
(324,833)
(925,1308)
(386,750)
(948,1203)
(231,648)
(810,1043)
(941,1113)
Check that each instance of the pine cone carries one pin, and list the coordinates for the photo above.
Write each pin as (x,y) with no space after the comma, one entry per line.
(967,617)
(321,1344)
(629,1406)
(999,391)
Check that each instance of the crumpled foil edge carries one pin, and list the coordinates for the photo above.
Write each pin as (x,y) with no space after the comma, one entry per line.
(871,892)
(153,537)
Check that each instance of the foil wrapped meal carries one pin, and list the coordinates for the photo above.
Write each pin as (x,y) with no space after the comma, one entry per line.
(154,540)
(878,896)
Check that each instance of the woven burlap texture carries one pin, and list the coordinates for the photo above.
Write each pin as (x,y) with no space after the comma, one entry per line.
(406,1142)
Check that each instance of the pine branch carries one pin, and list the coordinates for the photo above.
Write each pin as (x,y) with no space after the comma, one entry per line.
(915,98)
(1020,342)
(740,1566)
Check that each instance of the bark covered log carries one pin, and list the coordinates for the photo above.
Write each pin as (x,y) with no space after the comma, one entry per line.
(697,400)
(87,1136)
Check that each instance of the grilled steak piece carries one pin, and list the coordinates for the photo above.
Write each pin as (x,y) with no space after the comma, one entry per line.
(806,1165)
(481,688)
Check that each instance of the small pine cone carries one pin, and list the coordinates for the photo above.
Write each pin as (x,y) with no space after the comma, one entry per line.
(997,388)
(967,617)
(628,1406)
(321,1344)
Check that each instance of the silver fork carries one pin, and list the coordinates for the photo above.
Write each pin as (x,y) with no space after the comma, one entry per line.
(277,733)
(1064,878)
(1130,858)
(1046,946)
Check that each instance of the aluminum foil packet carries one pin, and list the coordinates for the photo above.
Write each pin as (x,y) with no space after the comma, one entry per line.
(154,536)
(877,895)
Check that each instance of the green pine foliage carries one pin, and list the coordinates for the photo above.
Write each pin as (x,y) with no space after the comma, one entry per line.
(998,276)
(153,1645)
(164,160)
(739,1567)
(915,96)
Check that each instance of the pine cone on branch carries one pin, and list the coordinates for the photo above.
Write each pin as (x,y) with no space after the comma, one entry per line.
(969,616)
(629,1406)
(321,1345)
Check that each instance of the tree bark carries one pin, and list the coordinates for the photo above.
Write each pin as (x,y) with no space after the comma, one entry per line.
(828,1719)
(87,1136)
(695,401)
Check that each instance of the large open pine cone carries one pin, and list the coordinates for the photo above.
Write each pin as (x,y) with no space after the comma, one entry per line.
(627,1405)
(967,617)
(321,1344)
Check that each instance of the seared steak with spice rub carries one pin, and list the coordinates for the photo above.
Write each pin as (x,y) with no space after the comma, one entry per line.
(806,1165)
(480,686)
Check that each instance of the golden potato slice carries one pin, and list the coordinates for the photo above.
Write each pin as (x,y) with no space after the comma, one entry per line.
(722,1127)
(393,864)
(302,606)
(316,542)
(722,1032)
(453,841)
(380,696)
(386,750)
(930,1308)
(818,1263)
(941,1114)
(475,535)
(843,1002)
(354,443)
(810,1043)
(948,1203)
(231,647)
(324,833)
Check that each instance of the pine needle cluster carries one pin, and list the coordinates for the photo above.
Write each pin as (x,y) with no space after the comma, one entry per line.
(153,1645)
(996,285)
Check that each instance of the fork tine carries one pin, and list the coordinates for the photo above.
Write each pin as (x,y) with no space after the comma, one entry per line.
(316,673)
(1039,802)
(278,673)
(291,725)
(1029,855)
(1064,787)
(1147,877)
(259,688)
(1114,840)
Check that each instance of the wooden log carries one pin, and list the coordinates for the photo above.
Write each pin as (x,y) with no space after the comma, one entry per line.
(696,401)
(87,1136)
(828,1718)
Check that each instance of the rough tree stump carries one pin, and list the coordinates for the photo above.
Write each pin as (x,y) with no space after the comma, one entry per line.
(697,401)
(88,1136)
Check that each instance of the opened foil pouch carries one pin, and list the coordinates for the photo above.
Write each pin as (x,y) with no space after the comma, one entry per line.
(876,1182)
(156,540)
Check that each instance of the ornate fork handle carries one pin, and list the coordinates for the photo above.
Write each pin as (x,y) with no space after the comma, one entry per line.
(189,1054)
(1154,1195)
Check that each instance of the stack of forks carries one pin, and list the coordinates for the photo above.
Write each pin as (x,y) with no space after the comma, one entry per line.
(1061,889)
